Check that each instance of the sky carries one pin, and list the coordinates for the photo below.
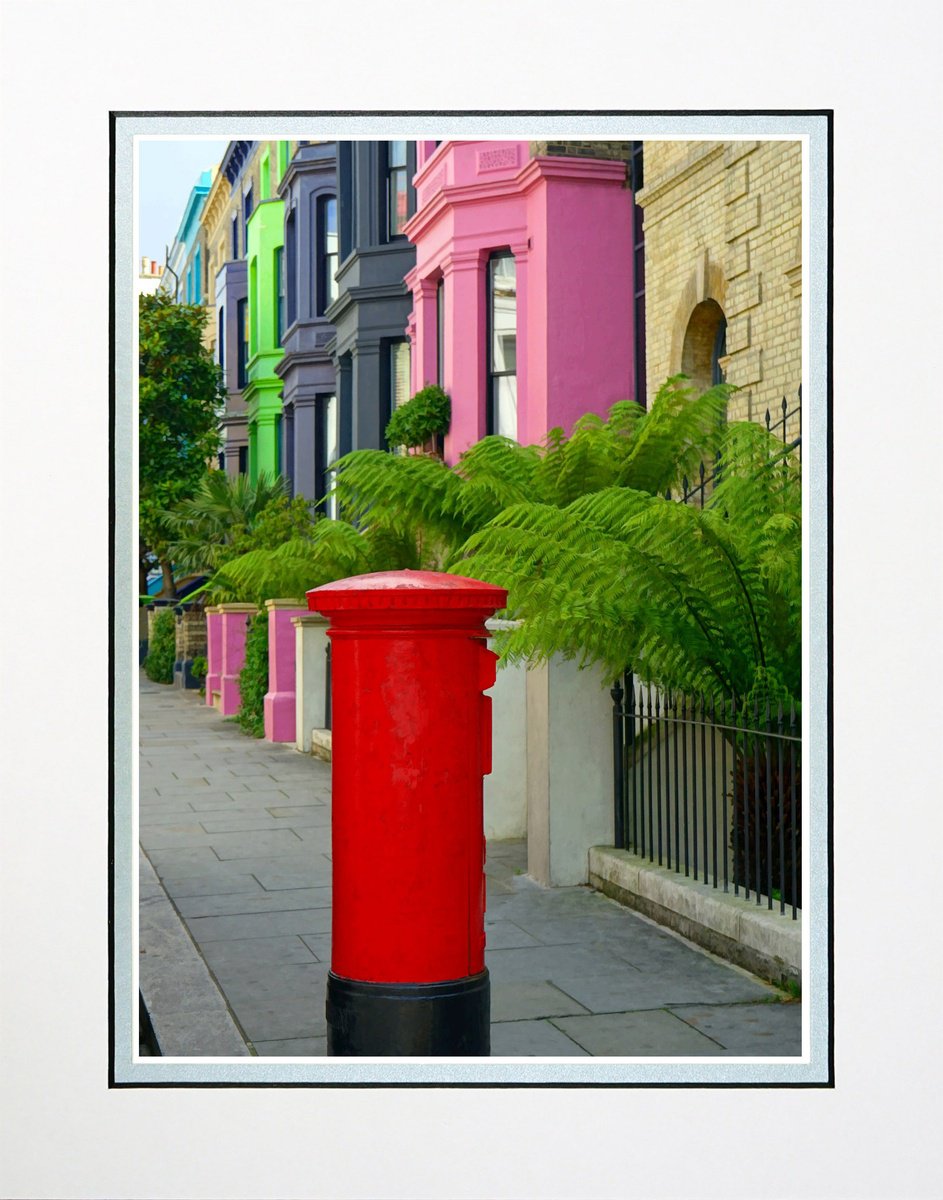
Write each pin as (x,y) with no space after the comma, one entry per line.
(169,168)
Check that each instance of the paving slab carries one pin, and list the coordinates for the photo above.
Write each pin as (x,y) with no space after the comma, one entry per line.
(290,877)
(633,990)
(513,1039)
(210,883)
(554,962)
(527,1001)
(629,1034)
(748,1029)
(171,815)
(250,954)
(184,861)
(242,903)
(505,935)
(319,944)
(281,1017)
(260,925)
(293,1048)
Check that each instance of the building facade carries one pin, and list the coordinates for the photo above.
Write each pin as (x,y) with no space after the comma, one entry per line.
(723,252)
(226,318)
(524,286)
(183,278)
(265,282)
(371,349)
(249,175)
(309,398)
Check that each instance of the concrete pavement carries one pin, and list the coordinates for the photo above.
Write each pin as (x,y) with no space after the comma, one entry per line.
(238,833)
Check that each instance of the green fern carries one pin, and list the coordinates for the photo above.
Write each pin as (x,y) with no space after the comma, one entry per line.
(648,450)
(700,600)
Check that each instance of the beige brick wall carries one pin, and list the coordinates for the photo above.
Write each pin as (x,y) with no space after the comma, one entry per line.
(214,227)
(723,225)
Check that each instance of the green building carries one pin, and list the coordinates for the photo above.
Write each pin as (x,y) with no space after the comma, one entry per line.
(265,251)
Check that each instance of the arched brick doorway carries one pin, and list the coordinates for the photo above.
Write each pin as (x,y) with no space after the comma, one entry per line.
(705,344)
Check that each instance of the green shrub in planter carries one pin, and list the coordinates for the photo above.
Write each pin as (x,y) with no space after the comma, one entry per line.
(253,678)
(420,419)
(162,648)
(198,669)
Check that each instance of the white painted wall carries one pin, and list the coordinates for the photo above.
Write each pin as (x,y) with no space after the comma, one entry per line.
(310,692)
(505,789)
(569,770)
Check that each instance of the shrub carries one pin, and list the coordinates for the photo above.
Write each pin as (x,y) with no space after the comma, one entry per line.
(199,669)
(253,678)
(420,419)
(162,648)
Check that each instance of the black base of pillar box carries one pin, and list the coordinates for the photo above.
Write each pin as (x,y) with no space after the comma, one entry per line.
(376,1020)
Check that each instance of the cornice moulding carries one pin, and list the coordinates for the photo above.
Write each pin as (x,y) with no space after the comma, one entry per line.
(586,170)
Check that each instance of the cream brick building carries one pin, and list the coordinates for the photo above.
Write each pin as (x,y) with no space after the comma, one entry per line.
(214,226)
(723,239)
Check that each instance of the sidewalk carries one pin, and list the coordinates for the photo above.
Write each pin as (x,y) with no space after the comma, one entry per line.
(238,832)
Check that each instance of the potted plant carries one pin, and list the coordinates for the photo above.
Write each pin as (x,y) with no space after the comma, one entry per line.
(422,421)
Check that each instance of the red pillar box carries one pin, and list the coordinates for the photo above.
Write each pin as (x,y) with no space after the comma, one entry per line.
(279,702)
(411,741)
(233,625)
(214,654)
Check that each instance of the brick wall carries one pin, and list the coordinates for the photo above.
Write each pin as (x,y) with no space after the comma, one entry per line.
(607,149)
(191,634)
(723,225)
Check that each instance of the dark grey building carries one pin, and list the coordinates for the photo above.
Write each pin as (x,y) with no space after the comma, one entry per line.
(232,355)
(309,414)
(371,349)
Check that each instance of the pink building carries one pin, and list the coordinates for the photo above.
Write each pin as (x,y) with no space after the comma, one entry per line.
(278,706)
(523,288)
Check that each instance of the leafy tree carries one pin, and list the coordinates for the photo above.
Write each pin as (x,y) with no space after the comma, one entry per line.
(162,649)
(227,515)
(700,600)
(180,396)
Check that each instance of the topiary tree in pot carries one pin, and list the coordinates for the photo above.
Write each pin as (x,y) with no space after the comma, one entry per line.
(422,421)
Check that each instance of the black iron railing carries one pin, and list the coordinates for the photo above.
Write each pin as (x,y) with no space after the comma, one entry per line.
(789,429)
(711,790)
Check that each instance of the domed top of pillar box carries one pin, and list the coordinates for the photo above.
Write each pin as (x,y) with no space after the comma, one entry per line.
(406,597)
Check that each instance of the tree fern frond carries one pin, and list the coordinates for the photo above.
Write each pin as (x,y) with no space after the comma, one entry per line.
(677,434)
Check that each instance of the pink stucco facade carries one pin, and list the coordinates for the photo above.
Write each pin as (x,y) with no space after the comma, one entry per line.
(214,653)
(233,628)
(279,702)
(568,224)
